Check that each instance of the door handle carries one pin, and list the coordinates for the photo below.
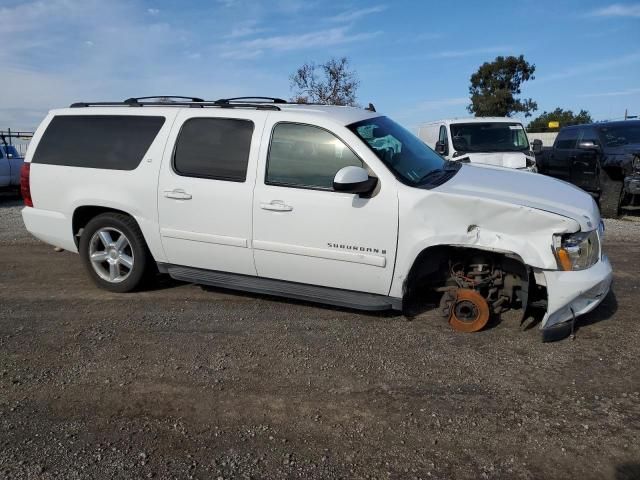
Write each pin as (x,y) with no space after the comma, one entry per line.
(178,194)
(276,206)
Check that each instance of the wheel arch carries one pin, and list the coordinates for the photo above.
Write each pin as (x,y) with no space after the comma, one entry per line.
(432,263)
(83,215)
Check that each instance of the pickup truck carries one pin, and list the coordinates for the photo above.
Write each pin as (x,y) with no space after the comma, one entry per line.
(10,163)
(602,159)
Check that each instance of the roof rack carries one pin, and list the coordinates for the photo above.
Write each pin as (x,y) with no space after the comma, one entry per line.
(260,100)
(10,134)
(262,103)
(163,98)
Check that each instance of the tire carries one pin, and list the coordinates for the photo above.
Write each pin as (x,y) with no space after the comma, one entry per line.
(610,195)
(115,264)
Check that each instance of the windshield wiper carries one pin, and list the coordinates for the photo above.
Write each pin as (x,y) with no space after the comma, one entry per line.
(440,175)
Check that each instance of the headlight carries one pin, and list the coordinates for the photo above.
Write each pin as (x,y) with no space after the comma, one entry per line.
(577,251)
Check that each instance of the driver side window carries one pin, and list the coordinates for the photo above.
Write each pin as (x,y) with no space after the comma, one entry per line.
(306,156)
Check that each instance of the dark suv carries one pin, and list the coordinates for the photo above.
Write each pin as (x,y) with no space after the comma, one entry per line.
(601,158)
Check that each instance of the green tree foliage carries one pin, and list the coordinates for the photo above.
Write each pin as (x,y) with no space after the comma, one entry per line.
(495,85)
(564,117)
(331,83)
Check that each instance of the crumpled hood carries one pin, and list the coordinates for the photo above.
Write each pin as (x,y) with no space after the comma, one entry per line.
(498,159)
(527,189)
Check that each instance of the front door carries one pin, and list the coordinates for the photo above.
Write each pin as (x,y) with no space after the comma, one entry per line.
(584,169)
(206,188)
(306,232)
(563,154)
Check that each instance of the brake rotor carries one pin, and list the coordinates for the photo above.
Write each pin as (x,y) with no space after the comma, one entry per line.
(469,311)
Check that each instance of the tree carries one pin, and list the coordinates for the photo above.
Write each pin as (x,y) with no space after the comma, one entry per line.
(331,83)
(563,117)
(495,85)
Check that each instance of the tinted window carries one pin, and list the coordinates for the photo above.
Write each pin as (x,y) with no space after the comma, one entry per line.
(618,135)
(567,139)
(214,148)
(115,142)
(589,135)
(488,137)
(306,156)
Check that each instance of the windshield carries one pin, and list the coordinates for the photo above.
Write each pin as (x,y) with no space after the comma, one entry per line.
(9,151)
(410,160)
(489,137)
(618,135)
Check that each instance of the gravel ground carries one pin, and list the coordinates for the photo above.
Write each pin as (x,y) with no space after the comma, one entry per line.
(185,382)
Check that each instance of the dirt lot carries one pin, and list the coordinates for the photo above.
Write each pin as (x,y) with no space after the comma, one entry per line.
(182,382)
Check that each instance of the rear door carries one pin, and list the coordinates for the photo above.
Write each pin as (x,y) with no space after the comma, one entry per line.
(205,189)
(306,232)
(584,168)
(561,158)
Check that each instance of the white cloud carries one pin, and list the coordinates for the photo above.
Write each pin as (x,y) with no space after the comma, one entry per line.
(590,67)
(618,10)
(443,102)
(618,93)
(246,29)
(318,38)
(351,15)
(153,11)
(470,52)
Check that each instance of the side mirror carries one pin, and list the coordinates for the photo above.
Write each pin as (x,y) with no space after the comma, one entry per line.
(588,145)
(536,145)
(441,148)
(354,180)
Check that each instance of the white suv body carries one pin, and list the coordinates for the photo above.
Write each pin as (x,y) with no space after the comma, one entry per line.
(276,213)
(494,141)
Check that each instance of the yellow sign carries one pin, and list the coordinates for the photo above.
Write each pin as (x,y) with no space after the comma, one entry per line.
(554,124)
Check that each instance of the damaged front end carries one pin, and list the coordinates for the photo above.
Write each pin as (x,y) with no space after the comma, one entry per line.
(488,241)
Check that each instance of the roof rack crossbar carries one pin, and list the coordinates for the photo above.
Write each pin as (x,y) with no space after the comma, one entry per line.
(261,100)
(257,106)
(163,98)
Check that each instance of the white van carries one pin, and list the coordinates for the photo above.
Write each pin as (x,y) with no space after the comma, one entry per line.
(497,141)
(332,204)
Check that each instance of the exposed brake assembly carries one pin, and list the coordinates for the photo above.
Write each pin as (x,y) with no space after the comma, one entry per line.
(473,292)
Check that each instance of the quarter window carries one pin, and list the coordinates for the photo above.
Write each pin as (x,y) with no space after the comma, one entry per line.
(113,142)
(306,156)
(567,139)
(216,148)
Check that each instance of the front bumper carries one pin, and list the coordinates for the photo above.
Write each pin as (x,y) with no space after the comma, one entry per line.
(574,293)
(632,184)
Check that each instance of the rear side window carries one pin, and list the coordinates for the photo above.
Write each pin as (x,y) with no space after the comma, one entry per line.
(567,139)
(113,142)
(216,148)
(306,156)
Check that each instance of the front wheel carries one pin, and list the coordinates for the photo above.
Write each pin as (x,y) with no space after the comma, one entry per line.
(610,196)
(114,252)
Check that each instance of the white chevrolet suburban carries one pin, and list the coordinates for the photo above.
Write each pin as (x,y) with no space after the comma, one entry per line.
(496,141)
(338,205)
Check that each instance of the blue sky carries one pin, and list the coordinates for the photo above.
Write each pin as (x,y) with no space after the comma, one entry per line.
(413,58)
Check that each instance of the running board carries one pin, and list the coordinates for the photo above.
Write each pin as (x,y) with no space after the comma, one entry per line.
(282,288)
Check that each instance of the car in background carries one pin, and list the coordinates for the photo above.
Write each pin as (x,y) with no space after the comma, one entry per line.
(602,159)
(10,164)
(496,141)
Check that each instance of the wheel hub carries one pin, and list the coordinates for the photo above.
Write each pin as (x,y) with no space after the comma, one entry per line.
(469,311)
